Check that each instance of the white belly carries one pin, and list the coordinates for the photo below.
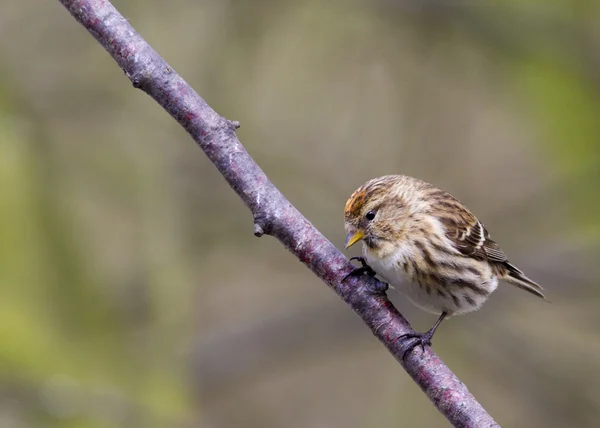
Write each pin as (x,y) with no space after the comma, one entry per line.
(390,270)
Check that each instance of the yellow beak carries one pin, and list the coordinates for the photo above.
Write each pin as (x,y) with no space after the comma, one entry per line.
(353,238)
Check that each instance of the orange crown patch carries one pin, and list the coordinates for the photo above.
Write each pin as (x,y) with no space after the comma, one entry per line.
(355,204)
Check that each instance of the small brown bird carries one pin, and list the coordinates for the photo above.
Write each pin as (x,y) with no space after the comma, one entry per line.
(424,242)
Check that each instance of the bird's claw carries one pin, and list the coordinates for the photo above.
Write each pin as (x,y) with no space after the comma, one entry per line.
(364,269)
(410,340)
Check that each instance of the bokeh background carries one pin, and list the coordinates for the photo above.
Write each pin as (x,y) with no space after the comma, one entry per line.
(133,292)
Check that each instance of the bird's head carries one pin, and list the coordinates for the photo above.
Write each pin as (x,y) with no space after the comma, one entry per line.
(381,211)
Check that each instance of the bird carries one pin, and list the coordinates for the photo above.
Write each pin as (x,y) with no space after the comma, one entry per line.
(428,245)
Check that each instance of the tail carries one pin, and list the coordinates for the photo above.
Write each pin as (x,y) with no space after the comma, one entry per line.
(517,278)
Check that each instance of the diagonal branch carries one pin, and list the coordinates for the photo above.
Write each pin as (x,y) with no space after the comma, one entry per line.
(273,214)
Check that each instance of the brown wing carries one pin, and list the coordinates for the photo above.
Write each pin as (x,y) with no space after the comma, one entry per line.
(469,236)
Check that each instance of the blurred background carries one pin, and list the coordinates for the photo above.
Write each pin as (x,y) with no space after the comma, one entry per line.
(134,293)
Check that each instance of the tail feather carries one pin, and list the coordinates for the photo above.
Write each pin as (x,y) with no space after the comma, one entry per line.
(517,278)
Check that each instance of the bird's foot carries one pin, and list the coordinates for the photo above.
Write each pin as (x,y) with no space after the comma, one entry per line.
(364,269)
(415,338)
(375,286)
(411,340)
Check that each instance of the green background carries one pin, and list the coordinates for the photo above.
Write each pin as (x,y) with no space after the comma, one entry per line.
(133,292)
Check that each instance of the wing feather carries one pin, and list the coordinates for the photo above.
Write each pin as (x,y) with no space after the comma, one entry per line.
(469,235)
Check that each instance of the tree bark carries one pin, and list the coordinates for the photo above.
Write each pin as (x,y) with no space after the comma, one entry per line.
(273,214)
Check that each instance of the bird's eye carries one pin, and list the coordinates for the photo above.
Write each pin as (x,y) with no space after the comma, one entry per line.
(370,215)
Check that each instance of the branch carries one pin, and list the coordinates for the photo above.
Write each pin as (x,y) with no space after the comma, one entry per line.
(273,214)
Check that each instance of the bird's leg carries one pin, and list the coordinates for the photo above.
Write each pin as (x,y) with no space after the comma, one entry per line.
(415,338)
(364,269)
